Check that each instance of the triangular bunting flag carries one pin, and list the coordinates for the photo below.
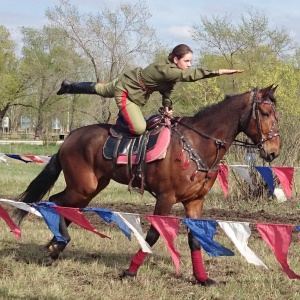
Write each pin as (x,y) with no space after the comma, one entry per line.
(52,219)
(168,229)
(75,216)
(133,222)
(285,176)
(22,205)
(34,158)
(223,178)
(204,231)
(108,216)
(239,233)
(19,157)
(278,237)
(266,173)
(11,224)
(243,171)
(3,159)
(44,158)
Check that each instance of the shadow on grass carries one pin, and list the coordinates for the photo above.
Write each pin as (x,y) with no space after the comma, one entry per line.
(7,294)
(73,257)
(32,253)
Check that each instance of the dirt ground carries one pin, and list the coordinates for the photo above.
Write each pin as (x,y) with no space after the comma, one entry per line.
(260,216)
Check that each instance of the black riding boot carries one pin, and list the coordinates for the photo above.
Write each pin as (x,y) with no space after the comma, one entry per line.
(68,87)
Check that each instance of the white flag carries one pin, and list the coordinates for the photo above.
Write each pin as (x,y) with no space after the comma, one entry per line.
(243,171)
(239,233)
(22,205)
(133,222)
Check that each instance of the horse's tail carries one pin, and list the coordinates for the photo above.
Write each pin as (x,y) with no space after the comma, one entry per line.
(39,186)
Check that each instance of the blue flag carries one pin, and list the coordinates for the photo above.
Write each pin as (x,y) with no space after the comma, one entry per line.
(16,156)
(51,218)
(266,173)
(204,231)
(108,216)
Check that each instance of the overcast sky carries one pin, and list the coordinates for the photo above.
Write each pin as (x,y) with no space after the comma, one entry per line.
(171,19)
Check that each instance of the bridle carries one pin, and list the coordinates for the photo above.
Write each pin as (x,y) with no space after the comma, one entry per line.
(201,165)
(255,114)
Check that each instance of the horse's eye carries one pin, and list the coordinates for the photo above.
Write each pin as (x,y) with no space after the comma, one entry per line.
(265,114)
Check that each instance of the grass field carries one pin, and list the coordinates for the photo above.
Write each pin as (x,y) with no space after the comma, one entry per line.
(90,267)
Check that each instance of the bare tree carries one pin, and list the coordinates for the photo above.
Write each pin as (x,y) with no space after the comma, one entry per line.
(112,41)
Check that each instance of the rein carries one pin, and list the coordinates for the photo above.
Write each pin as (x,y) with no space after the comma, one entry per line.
(201,165)
(255,113)
(217,141)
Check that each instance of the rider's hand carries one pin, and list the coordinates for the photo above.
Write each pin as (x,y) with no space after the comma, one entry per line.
(229,72)
(168,112)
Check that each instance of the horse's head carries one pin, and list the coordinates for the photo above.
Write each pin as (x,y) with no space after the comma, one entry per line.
(262,125)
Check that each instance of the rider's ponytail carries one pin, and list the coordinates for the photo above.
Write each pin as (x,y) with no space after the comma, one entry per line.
(179,51)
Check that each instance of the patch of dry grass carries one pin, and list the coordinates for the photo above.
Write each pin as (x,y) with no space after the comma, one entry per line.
(90,267)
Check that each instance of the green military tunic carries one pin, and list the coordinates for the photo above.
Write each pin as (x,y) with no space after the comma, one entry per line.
(133,88)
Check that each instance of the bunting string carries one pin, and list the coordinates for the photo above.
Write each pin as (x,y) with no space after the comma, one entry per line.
(277,236)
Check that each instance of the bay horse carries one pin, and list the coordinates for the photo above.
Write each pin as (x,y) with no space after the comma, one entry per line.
(203,138)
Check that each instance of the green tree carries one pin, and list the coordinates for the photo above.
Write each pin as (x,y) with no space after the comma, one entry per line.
(243,44)
(43,63)
(9,80)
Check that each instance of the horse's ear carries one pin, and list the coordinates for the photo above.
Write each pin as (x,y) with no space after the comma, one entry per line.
(266,91)
(273,89)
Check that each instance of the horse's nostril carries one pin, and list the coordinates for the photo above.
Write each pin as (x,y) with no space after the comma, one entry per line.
(272,156)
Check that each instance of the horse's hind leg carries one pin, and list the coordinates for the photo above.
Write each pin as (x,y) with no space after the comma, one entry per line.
(55,248)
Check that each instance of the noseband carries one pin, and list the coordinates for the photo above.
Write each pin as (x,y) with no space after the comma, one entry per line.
(255,114)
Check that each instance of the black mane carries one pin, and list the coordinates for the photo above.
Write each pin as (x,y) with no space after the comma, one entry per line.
(217,106)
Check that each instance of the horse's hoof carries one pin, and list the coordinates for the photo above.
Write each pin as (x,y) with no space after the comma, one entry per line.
(129,275)
(208,282)
(50,262)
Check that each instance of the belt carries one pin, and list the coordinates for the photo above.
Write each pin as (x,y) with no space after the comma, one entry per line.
(142,84)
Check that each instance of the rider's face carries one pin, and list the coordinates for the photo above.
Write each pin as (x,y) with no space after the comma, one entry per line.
(185,62)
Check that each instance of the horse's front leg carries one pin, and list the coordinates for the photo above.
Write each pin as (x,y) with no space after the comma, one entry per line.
(162,208)
(194,210)
(139,257)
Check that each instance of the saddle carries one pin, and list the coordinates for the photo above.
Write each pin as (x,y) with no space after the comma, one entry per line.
(122,147)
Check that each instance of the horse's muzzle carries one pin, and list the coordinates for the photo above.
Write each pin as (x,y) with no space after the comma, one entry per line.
(268,156)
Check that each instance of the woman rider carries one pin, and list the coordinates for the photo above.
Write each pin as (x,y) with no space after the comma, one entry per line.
(132,89)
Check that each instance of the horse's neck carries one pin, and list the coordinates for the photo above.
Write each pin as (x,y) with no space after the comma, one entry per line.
(222,121)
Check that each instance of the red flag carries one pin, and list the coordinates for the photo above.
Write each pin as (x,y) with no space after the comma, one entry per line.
(285,176)
(278,237)
(168,228)
(11,224)
(222,176)
(74,215)
(34,158)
